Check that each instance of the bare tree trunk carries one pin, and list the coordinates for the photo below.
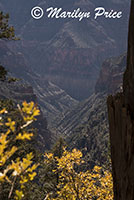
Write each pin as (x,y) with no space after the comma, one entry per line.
(121,124)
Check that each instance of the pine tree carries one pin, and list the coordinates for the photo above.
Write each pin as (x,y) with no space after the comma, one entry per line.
(6,31)
(17,164)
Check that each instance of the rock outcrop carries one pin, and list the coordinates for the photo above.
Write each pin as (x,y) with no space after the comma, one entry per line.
(109,82)
(110,79)
(121,121)
(67,52)
(52,99)
(85,126)
(21,91)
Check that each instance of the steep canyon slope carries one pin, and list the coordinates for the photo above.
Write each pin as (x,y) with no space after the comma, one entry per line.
(109,82)
(15,93)
(68,52)
(52,99)
(86,126)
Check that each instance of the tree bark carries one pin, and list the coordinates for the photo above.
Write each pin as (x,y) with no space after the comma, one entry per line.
(121,125)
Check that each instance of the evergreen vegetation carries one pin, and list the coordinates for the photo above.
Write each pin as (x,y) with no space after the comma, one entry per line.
(6,31)
(27,174)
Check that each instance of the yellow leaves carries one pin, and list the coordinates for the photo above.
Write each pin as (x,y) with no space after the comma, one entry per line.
(29,156)
(49,155)
(10,124)
(69,159)
(106,182)
(95,183)
(2,176)
(19,195)
(29,169)
(23,180)
(3,111)
(97,169)
(4,157)
(3,142)
(24,169)
(24,136)
(29,111)
(77,153)
(34,167)
(20,167)
(27,107)
(31,176)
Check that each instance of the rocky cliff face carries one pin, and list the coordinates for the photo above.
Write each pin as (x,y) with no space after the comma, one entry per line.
(20,91)
(68,52)
(52,99)
(73,70)
(121,121)
(109,82)
(86,125)
(110,79)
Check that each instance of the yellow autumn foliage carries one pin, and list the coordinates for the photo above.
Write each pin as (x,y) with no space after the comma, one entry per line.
(21,168)
(78,185)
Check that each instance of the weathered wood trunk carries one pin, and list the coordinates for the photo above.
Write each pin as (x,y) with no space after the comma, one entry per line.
(121,124)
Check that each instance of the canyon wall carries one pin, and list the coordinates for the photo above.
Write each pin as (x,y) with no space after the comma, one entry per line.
(85,126)
(67,52)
